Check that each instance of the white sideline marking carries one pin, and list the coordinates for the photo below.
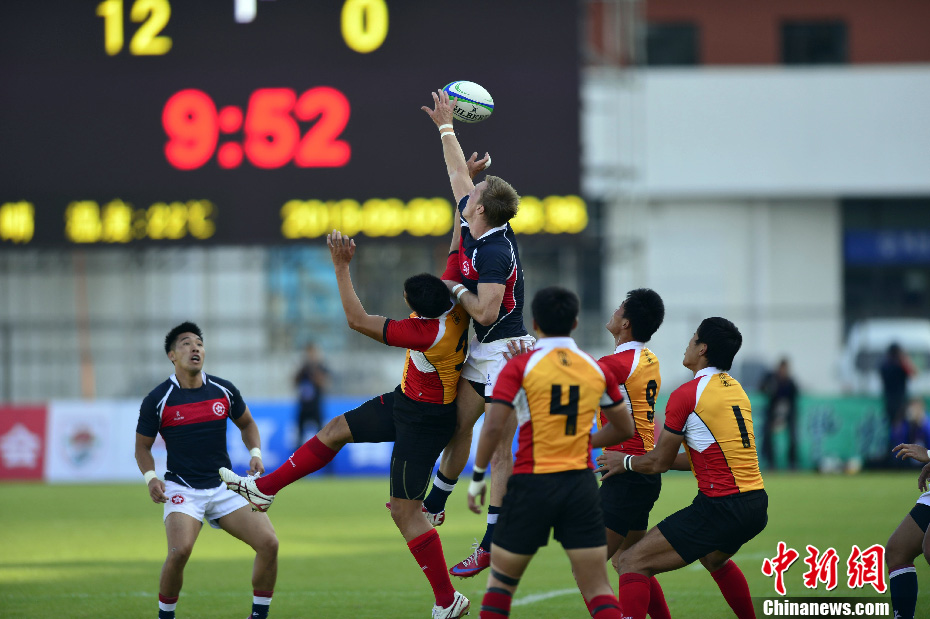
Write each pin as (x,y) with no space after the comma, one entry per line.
(539,597)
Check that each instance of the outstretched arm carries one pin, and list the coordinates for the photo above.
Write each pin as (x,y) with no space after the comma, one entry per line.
(456,166)
(342,248)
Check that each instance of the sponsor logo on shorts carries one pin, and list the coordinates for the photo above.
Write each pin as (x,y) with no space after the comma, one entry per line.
(177,499)
(219,409)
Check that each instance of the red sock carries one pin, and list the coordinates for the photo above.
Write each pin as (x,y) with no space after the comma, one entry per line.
(735,590)
(496,603)
(427,550)
(634,595)
(658,608)
(604,607)
(309,457)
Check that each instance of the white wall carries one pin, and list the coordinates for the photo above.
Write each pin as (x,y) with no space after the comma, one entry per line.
(761,131)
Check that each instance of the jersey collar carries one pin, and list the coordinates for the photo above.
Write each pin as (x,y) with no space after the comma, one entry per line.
(549,343)
(629,346)
(492,231)
(708,371)
(174,378)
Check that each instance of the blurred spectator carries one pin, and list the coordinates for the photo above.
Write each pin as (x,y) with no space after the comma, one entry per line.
(311,381)
(781,411)
(913,429)
(896,370)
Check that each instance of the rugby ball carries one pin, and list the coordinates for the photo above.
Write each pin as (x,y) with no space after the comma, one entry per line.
(473,103)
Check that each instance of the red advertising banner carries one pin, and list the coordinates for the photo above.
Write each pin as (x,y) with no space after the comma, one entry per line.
(22,442)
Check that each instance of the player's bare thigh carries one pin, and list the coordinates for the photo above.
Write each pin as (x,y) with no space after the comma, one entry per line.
(253,528)
(469,405)
(650,556)
(182,531)
(905,543)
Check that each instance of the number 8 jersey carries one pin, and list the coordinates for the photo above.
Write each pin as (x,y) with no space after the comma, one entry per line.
(713,414)
(637,370)
(556,389)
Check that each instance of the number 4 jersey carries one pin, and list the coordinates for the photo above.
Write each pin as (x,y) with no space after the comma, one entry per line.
(556,389)
(712,412)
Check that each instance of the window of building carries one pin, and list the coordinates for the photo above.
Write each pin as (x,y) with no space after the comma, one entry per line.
(814,42)
(672,44)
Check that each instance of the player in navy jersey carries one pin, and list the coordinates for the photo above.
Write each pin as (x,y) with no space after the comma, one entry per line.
(190,410)
(418,416)
(489,285)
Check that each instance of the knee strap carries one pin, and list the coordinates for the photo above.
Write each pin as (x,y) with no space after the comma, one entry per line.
(507,580)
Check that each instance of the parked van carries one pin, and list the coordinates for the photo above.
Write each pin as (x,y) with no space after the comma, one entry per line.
(867,344)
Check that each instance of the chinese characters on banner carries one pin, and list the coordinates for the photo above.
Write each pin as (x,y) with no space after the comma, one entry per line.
(863,567)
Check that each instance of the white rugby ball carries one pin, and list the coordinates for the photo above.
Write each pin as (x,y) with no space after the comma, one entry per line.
(473,104)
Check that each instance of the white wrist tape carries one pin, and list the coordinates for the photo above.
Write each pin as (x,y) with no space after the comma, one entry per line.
(458,296)
(446,126)
(255,452)
(149,476)
(445,133)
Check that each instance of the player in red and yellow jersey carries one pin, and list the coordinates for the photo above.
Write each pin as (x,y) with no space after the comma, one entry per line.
(712,416)
(627,499)
(555,390)
(419,415)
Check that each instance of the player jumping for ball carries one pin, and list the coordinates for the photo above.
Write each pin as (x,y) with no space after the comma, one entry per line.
(490,288)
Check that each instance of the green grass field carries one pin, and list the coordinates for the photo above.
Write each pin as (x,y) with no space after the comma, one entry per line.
(97,550)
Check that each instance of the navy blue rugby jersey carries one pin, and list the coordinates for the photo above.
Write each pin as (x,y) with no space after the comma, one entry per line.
(193,424)
(494,259)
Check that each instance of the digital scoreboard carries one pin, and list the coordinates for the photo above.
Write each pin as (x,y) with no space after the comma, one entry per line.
(272,121)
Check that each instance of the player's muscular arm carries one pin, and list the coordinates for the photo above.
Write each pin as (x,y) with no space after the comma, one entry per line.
(248,429)
(456,166)
(618,430)
(147,463)
(342,248)
(485,306)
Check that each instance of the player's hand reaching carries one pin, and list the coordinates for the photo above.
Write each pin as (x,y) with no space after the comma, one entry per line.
(341,248)
(922,479)
(157,491)
(516,347)
(256,467)
(909,450)
(477,490)
(476,165)
(610,463)
(441,112)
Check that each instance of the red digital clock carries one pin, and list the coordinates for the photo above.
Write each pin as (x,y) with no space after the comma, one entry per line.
(272,135)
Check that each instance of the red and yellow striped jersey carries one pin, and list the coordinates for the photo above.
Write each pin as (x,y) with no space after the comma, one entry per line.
(712,412)
(556,389)
(436,349)
(637,370)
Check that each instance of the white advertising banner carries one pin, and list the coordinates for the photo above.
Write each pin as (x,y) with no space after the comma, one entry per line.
(95,441)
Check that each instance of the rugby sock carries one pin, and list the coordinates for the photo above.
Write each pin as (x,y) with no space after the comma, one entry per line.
(166,606)
(489,532)
(658,608)
(735,590)
(427,550)
(261,602)
(442,488)
(309,457)
(634,595)
(604,607)
(903,587)
(496,603)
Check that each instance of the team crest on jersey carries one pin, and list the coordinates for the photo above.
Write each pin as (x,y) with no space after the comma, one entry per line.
(177,499)
(465,267)
(563,358)
(219,409)
(724,379)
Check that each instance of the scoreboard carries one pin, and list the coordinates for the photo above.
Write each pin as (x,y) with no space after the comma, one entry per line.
(272,121)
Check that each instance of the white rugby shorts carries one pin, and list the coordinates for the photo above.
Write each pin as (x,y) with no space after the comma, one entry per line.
(486,360)
(209,503)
